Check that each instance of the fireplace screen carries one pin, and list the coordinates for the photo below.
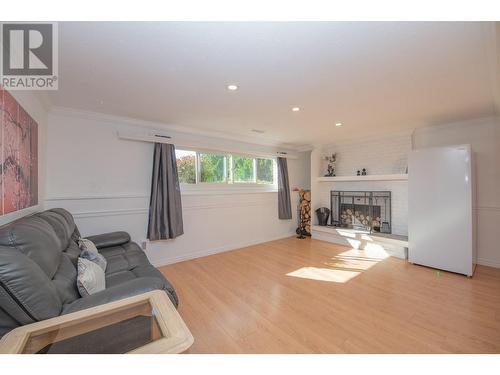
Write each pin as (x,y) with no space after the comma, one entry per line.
(365,210)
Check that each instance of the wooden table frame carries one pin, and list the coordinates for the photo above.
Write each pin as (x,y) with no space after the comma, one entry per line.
(170,334)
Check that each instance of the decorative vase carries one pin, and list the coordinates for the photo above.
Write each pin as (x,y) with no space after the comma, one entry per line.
(323,213)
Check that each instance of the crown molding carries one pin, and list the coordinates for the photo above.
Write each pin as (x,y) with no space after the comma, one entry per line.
(485,120)
(153,125)
(366,138)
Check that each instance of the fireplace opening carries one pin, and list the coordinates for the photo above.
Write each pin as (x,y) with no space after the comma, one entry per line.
(364,210)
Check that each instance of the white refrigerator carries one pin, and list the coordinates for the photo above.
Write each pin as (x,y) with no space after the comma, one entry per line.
(441,219)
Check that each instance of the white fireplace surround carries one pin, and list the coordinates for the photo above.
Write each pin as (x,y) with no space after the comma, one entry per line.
(385,159)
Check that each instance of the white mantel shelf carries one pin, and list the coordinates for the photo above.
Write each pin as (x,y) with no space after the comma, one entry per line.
(375,177)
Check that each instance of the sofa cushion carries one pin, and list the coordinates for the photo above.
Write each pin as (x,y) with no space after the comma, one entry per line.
(6,320)
(35,238)
(69,220)
(27,284)
(10,307)
(124,257)
(63,224)
(60,224)
(65,280)
(128,262)
(114,293)
(73,252)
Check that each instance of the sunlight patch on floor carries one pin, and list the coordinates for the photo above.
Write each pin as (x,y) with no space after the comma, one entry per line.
(344,266)
(371,251)
(324,274)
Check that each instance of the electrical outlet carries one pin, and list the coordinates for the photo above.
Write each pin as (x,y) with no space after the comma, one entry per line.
(144,244)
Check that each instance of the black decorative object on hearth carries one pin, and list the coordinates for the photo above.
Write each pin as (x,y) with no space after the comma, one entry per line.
(323,213)
(385,228)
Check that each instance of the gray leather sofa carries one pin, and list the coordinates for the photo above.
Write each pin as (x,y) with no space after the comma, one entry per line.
(38,257)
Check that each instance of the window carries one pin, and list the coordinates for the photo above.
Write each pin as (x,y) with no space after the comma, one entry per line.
(243,169)
(220,168)
(212,168)
(186,166)
(265,171)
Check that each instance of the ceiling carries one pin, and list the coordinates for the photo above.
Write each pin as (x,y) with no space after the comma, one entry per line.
(373,77)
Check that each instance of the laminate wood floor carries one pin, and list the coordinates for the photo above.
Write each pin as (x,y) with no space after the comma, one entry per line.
(309,296)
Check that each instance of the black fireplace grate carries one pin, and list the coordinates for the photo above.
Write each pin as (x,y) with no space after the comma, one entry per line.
(364,210)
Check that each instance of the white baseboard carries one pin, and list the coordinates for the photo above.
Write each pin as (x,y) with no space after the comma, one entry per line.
(164,261)
(488,262)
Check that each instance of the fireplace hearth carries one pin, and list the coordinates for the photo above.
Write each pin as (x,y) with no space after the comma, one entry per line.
(364,210)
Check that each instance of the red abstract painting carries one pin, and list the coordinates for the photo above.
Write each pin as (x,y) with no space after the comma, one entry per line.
(19,156)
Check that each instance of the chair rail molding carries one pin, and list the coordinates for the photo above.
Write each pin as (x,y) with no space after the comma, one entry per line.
(90,197)
(97,213)
(87,206)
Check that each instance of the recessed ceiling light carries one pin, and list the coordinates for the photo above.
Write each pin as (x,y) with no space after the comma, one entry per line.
(338,124)
(232,87)
(295,109)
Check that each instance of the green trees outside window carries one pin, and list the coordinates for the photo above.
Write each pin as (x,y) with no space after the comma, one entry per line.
(186,166)
(203,167)
(243,169)
(212,168)
(265,171)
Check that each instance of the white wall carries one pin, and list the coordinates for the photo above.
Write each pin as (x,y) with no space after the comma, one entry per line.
(386,154)
(484,137)
(105,183)
(32,103)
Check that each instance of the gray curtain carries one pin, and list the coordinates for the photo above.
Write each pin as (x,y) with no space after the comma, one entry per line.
(284,205)
(165,207)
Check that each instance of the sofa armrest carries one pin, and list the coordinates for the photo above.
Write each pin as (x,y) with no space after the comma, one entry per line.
(117,292)
(110,239)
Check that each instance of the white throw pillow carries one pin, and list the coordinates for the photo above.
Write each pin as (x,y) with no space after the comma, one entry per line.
(89,251)
(87,244)
(90,277)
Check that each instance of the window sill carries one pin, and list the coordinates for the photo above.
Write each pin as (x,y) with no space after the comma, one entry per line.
(227,190)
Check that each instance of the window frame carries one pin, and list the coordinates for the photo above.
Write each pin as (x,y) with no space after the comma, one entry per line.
(228,185)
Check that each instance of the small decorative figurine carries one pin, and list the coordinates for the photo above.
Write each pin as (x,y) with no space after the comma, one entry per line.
(358,173)
(330,171)
(363,172)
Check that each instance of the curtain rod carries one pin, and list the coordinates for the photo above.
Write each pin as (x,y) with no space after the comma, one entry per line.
(160,138)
